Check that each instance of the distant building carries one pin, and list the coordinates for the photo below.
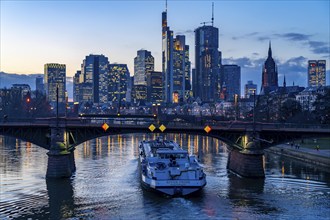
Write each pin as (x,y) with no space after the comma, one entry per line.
(207,64)
(23,89)
(316,73)
(76,86)
(94,76)
(269,74)
(40,85)
(118,80)
(231,80)
(154,87)
(130,84)
(139,94)
(308,96)
(55,79)
(250,89)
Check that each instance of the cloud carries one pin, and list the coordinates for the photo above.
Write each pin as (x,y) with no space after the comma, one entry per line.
(263,38)
(294,65)
(294,69)
(319,47)
(185,32)
(294,36)
(245,35)
(244,62)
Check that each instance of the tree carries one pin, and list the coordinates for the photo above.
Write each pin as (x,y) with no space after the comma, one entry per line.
(39,106)
(289,109)
(322,107)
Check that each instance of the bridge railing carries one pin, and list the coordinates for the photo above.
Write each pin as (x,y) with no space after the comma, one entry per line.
(140,121)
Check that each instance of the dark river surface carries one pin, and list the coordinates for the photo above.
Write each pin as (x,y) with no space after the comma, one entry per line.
(106,185)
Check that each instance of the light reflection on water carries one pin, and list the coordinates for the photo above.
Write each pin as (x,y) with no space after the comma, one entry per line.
(106,185)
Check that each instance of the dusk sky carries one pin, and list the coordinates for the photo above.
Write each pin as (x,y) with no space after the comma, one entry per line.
(37,32)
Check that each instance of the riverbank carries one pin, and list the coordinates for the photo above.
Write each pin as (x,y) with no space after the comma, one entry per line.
(311,156)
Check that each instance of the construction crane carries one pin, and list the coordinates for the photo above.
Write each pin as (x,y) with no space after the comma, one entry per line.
(208,22)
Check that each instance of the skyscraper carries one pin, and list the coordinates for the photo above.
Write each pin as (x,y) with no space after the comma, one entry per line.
(118,80)
(55,78)
(154,87)
(316,72)
(269,74)
(250,89)
(167,59)
(181,68)
(94,76)
(175,64)
(207,64)
(143,64)
(231,80)
(40,85)
(76,84)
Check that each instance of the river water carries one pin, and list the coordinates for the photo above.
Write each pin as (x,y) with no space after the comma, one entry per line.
(106,185)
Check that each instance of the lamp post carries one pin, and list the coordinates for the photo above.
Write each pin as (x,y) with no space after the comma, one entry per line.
(57,106)
(254,106)
(236,107)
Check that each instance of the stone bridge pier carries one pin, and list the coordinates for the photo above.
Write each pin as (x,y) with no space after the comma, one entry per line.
(248,162)
(61,161)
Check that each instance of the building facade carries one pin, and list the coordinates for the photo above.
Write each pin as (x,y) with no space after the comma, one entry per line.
(181,69)
(119,77)
(154,87)
(76,86)
(94,77)
(316,73)
(207,64)
(269,74)
(143,65)
(55,80)
(40,88)
(250,89)
(167,59)
(231,80)
(308,96)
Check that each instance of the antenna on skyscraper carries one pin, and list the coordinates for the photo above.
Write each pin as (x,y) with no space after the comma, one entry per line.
(212,13)
(165,5)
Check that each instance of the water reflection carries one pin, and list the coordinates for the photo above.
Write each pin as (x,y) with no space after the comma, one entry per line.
(106,185)
(290,168)
(245,193)
(61,198)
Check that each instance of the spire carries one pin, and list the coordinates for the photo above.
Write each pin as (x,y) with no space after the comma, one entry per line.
(270,50)
(165,5)
(212,13)
(284,82)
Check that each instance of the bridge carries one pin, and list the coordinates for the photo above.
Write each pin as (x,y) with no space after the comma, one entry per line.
(246,140)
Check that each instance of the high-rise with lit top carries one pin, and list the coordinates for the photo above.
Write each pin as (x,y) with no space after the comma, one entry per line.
(316,73)
(55,79)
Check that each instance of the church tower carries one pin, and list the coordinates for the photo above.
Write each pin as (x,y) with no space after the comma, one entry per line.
(269,74)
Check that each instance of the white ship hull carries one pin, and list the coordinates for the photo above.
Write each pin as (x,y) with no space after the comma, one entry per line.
(168,169)
(173,187)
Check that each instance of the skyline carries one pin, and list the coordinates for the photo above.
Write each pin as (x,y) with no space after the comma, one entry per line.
(34,33)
